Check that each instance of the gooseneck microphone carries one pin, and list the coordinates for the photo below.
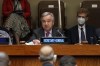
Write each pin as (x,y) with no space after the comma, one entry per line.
(60,33)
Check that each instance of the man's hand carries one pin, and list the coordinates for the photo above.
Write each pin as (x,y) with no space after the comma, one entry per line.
(36,42)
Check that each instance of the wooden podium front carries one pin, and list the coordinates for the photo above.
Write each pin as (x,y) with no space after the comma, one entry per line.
(22,55)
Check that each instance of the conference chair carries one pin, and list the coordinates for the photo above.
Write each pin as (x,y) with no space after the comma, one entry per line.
(52,6)
(94,12)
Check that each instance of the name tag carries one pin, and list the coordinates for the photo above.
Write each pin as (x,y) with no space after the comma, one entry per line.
(53,40)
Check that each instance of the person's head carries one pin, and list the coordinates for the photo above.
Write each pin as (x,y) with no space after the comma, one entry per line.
(47,54)
(67,61)
(47,20)
(82,16)
(4,59)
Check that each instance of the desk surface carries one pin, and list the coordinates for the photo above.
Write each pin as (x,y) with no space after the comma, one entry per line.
(29,50)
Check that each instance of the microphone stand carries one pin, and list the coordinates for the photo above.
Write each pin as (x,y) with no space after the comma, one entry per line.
(60,19)
(60,33)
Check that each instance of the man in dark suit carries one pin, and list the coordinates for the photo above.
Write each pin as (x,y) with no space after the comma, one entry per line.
(46,56)
(47,29)
(82,33)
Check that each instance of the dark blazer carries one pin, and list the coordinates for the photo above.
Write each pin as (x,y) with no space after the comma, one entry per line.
(38,33)
(47,64)
(73,34)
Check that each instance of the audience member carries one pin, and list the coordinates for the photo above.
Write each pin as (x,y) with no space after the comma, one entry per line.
(17,13)
(47,56)
(4,59)
(82,33)
(68,61)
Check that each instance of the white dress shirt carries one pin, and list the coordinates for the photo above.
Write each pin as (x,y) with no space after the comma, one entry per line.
(79,31)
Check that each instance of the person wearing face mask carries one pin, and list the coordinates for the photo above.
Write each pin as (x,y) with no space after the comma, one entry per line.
(82,33)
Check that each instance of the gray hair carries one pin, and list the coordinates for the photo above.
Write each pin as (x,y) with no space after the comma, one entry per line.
(46,14)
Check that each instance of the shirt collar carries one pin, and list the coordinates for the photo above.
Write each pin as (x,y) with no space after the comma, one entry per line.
(82,26)
(49,31)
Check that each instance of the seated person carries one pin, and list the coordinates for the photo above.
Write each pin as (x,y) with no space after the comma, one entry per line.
(47,29)
(16,13)
(82,33)
(47,56)
(4,59)
(67,61)
(98,33)
(4,33)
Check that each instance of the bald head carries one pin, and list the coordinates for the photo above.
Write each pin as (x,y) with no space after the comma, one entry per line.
(46,53)
(4,59)
(46,50)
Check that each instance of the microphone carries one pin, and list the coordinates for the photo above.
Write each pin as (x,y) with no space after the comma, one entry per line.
(60,33)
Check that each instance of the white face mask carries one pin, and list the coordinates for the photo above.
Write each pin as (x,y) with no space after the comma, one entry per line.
(81,20)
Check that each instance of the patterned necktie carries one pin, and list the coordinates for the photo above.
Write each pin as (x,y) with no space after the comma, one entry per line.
(47,34)
(82,35)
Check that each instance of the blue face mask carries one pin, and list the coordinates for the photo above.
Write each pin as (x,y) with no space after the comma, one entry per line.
(81,20)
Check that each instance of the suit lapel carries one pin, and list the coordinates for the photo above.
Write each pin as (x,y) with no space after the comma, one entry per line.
(53,32)
(87,32)
(41,33)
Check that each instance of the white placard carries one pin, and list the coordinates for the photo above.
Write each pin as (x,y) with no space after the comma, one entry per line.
(50,6)
(94,5)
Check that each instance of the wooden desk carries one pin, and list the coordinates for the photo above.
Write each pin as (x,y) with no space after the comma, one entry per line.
(22,55)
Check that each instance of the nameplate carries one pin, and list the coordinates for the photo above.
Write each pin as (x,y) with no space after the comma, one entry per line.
(54,40)
(4,40)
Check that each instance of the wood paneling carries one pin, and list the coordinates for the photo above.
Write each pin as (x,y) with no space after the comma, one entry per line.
(22,55)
